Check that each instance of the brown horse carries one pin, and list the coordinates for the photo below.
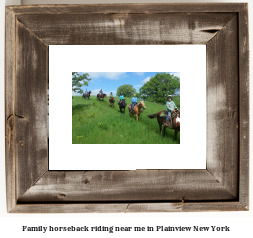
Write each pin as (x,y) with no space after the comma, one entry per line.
(101,96)
(137,109)
(86,95)
(174,118)
(111,101)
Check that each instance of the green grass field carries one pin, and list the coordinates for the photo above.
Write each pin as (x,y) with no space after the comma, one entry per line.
(95,122)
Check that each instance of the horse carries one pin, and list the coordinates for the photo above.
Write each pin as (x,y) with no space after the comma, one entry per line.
(86,95)
(111,101)
(101,96)
(174,117)
(137,109)
(122,104)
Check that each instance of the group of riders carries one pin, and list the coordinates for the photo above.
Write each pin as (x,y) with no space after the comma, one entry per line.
(170,105)
(134,101)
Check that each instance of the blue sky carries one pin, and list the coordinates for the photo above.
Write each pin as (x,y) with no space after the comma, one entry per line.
(110,81)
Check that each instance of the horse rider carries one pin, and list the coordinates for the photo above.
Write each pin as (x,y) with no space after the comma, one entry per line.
(111,97)
(171,107)
(86,92)
(101,92)
(134,102)
(121,97)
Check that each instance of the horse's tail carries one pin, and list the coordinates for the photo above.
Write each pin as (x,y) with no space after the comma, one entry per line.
(155,115)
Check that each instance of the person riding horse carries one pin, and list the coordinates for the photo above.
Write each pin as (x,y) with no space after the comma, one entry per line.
(86,91)
(171,107)
(101,92)
(111,99)
(121,97)
(134,102)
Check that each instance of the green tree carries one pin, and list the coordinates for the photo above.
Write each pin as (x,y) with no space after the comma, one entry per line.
(138,95)
(127,90)
(159,87)
(79,80)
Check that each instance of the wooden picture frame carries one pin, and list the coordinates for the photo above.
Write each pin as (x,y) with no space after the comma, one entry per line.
(222,186)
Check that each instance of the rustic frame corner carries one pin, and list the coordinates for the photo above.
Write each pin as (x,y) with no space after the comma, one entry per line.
(223,186)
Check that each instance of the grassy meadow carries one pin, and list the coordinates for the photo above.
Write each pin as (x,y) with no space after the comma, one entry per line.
(95,122)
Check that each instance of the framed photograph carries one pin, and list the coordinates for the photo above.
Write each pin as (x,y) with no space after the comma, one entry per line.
(91,123)
(32,32)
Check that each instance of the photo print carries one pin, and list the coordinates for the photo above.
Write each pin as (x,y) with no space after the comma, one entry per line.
(117,107)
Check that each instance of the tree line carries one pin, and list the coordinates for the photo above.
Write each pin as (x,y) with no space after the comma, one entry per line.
(78,81)
(155,90)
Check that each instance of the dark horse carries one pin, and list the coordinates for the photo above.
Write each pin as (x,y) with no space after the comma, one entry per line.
(122,104)
(101,96)
(174,118)
(86,95)
(111,101)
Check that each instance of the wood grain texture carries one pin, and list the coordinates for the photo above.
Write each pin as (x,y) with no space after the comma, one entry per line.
(222,107)
(122,29)
(9,108)
(222,187)
(244,106)
(129,207)
(139,185)
(30,108)
(186,207)
(129,8)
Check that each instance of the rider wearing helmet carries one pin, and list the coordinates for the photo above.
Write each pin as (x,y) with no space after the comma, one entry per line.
(101,92)
(171,106)
(121,97)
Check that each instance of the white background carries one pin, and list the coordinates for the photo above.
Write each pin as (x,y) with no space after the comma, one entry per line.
(241,222)
(63,155)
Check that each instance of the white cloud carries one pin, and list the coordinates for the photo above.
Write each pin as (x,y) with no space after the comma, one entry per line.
(75,94)
(95,91)
(138,86)
(177,74)
(108,75)
(94,82)
(146,80)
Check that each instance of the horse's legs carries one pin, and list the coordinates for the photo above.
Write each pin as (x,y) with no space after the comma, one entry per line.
(164,128)
(176,131)
(160,125)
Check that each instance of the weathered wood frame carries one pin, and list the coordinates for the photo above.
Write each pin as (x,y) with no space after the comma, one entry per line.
(223,186)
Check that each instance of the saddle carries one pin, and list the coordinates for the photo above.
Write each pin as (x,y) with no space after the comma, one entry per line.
(130,106)
(164,114)
(172,116)
(122,102)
